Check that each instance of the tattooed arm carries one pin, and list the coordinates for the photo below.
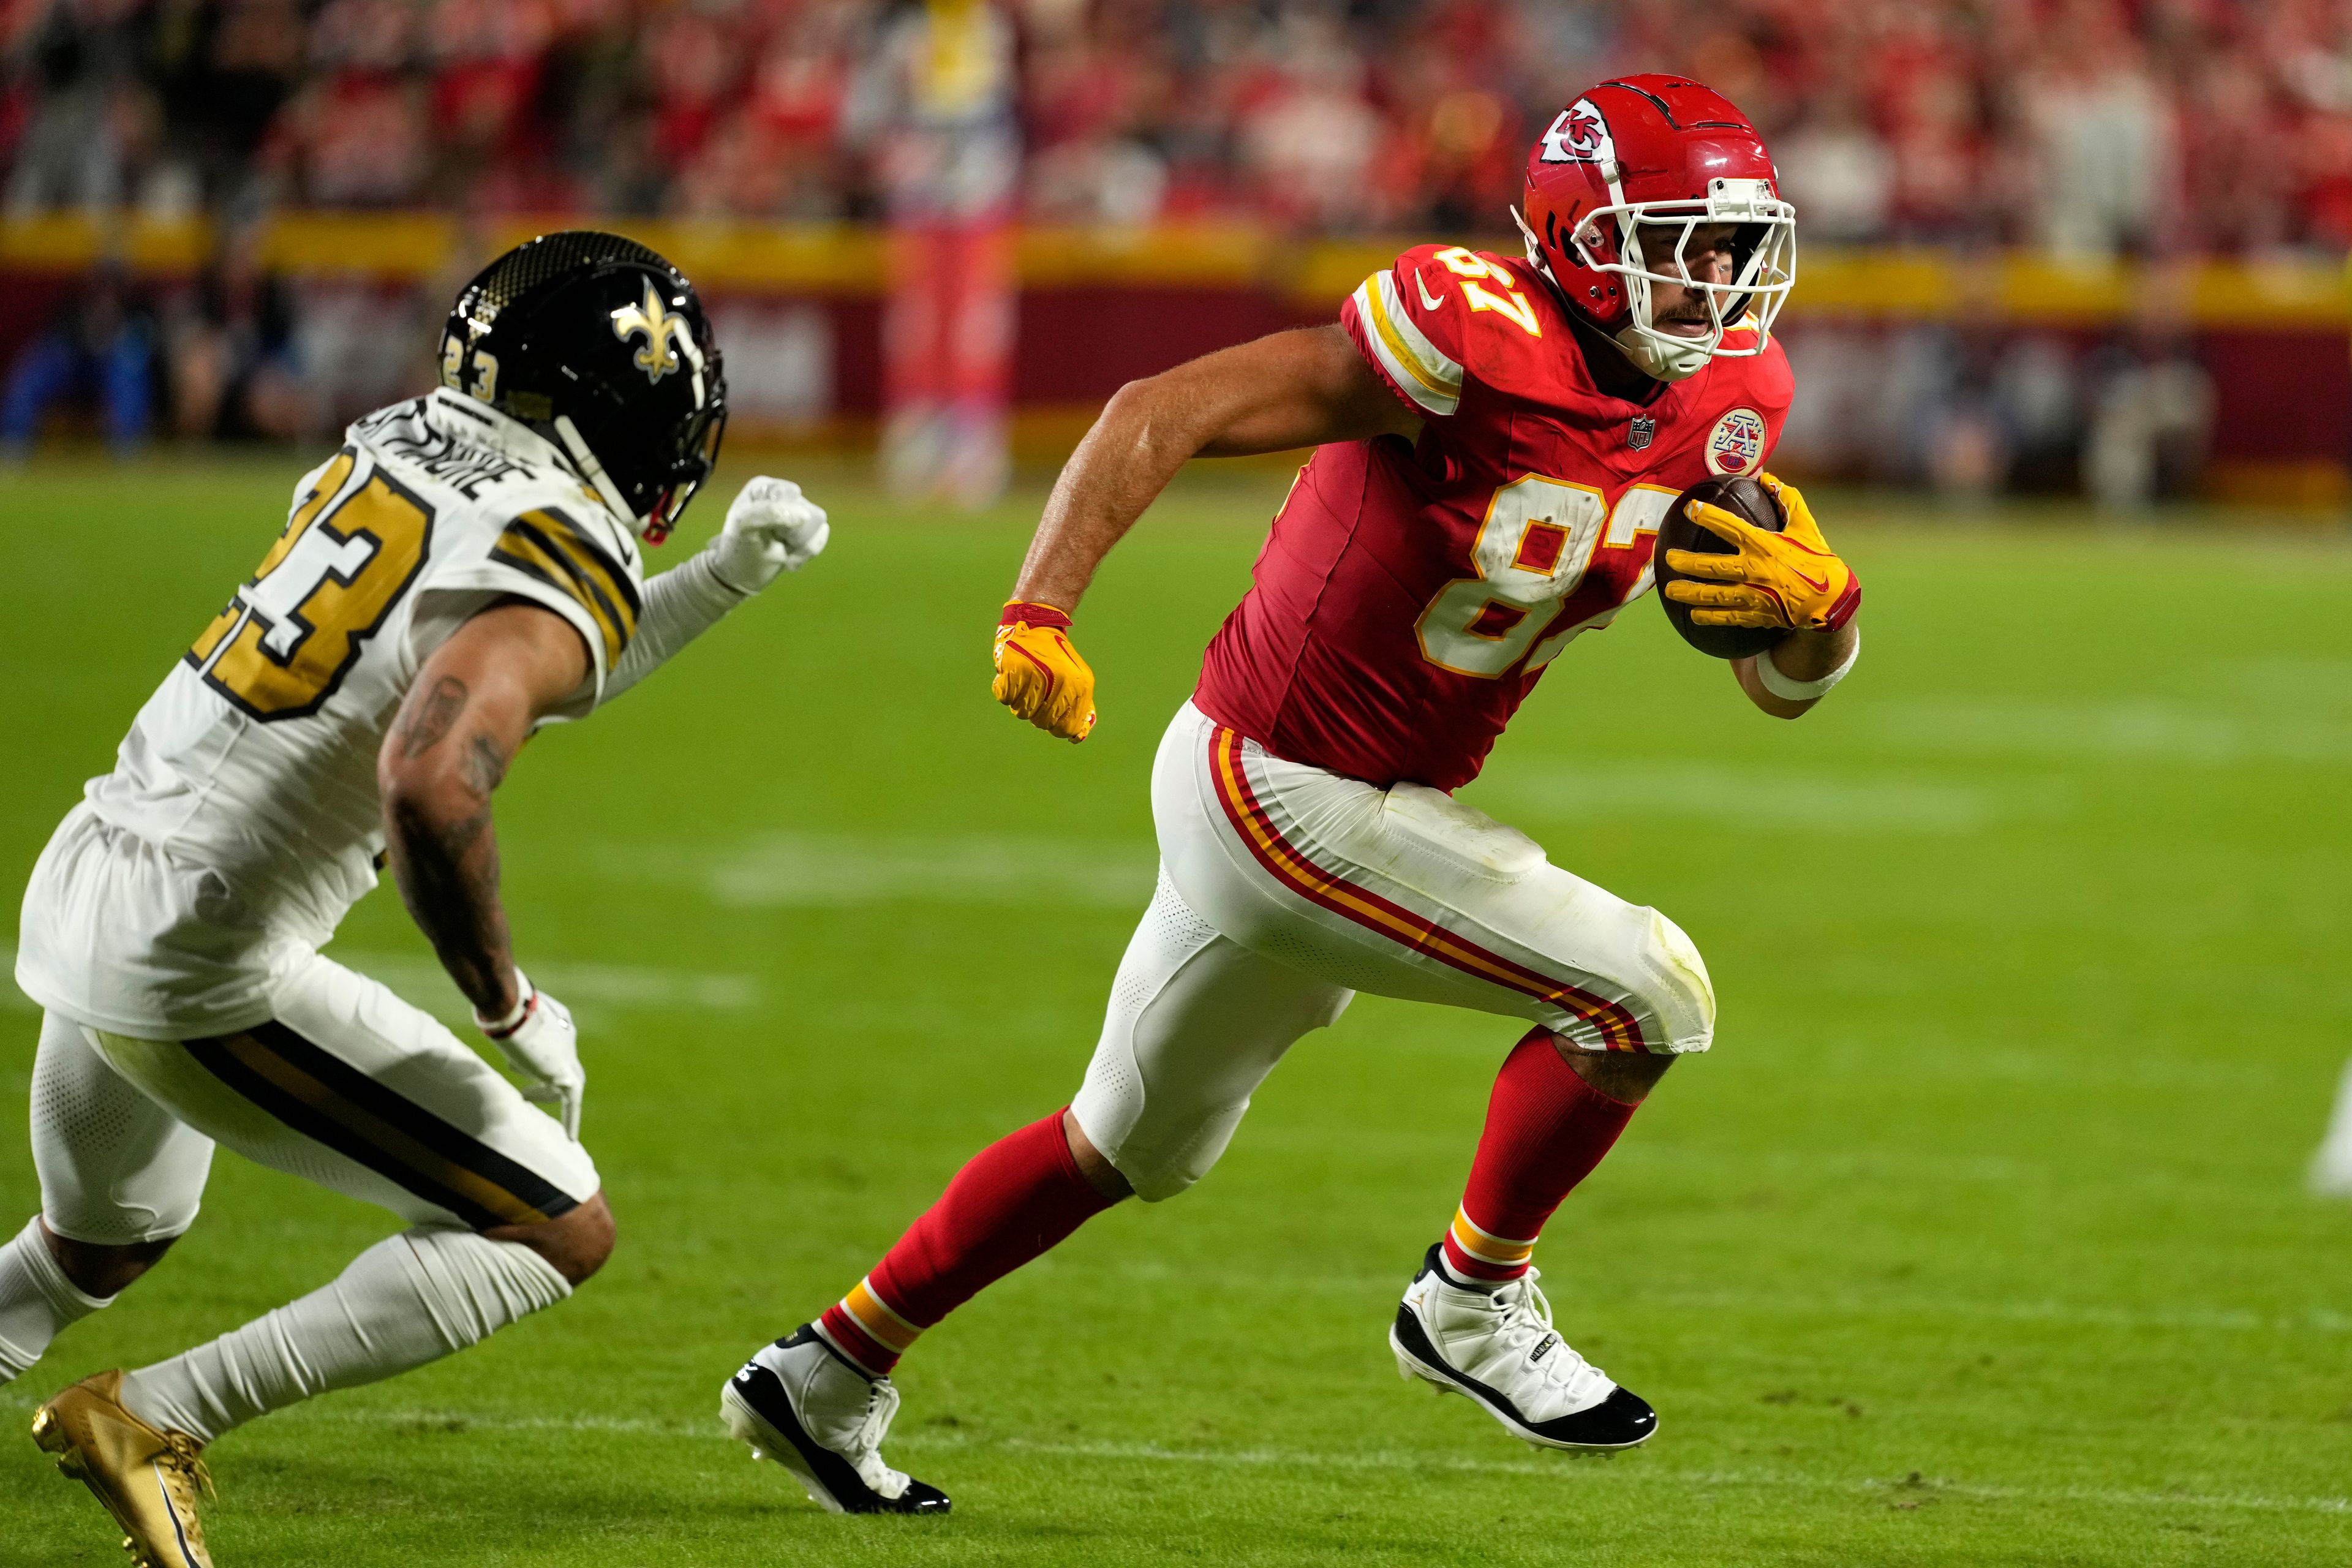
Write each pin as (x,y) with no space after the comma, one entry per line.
(472,706)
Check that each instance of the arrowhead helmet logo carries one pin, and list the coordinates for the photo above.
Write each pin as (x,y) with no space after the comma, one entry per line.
(662,330)
(1580,136)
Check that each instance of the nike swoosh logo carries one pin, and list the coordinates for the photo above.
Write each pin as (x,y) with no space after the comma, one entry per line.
(1427,303)
(1821,587)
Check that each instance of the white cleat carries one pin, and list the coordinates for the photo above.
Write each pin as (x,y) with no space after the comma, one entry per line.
(1500,1350)
(800,1402)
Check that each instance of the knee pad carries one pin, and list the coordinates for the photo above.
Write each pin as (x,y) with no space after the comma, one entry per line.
(1159,1162)
(1676,988)
(115,1168)
(1160,1154)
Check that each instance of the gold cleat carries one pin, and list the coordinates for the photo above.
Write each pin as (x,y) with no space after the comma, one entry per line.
(148,1479)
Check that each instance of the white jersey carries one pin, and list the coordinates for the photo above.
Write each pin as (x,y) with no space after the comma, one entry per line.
(241,819)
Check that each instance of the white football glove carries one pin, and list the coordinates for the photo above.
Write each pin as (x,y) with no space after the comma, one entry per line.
(771,527)
(543,1044)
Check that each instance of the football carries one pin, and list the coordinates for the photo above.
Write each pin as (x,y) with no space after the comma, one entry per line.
(1744,499)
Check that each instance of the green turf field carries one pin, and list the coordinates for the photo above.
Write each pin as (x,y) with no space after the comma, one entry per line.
(1980,1238)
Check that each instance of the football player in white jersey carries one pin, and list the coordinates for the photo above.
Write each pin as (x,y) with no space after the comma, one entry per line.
(466,569)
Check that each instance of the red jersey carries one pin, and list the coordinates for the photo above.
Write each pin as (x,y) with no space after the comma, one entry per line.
(1410,595)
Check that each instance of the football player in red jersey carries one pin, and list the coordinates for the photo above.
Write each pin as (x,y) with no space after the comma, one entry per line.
(1497,443)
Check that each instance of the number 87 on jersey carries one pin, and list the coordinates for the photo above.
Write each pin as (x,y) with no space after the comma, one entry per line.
(1552,560)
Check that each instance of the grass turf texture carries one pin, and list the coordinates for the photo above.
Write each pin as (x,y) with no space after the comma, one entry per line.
(1980,1238)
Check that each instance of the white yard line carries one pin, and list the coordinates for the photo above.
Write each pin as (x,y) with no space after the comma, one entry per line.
(813,870)
(2295,1322)
(1642,1471)
(422,981)
(2140,730)
(1859,803)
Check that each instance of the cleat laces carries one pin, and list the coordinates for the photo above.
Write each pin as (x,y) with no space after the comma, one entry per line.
(179,1456)
(1522,1324)
(880,1408)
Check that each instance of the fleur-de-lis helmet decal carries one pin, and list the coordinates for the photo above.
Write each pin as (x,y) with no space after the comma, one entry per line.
(662,331)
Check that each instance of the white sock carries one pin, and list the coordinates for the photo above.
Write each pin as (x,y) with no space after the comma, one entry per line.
(408,1300)
(37,1300)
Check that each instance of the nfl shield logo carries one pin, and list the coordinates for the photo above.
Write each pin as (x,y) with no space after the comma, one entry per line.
(1638,434)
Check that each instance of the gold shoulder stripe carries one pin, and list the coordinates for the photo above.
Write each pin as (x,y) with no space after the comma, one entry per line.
(547,545)
(526,550)
(593,559)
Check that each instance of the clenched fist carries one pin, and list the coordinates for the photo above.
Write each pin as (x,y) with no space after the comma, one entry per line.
(771,527)
(1039,674)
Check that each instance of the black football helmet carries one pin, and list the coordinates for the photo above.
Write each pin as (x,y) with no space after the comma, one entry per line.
(603,347)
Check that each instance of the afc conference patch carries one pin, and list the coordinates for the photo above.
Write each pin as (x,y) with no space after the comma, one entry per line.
(1735,445)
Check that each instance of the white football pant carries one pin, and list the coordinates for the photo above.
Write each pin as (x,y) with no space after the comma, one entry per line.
(347,1086)
(1284,889)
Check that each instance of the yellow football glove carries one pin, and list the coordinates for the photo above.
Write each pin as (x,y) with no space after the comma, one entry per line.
(1039,674)
(1790,579)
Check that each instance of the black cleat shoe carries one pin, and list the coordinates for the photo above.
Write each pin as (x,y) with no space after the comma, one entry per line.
(1500,1350)
(802,1403)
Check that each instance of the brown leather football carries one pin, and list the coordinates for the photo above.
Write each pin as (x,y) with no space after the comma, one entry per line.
(1747,500)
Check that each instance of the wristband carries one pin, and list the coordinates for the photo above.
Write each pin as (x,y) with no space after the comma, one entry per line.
(504,1028)
(1025,611)
(1791,690)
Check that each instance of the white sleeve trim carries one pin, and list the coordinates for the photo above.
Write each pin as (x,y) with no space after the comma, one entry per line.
(1418,368)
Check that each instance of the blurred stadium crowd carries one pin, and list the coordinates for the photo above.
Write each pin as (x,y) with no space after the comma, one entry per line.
(2159,132)
(2081,125)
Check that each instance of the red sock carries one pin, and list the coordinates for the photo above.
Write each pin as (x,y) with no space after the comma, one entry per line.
(1013,1201)
(1546,1129)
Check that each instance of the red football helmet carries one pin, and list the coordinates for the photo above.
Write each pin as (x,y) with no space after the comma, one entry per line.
(1615,189)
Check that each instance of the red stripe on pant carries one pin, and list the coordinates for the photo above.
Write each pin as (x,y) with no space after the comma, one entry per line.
(1229,768)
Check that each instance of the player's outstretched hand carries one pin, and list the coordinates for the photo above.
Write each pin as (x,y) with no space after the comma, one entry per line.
(1039,674)
(1790,579)
(771,527)
(543,1044)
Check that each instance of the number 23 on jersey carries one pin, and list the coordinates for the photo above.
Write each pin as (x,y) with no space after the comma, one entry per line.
(1534,548)
(291,634)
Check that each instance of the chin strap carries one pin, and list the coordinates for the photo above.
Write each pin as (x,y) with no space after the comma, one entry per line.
(1534,249)
(600,484)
